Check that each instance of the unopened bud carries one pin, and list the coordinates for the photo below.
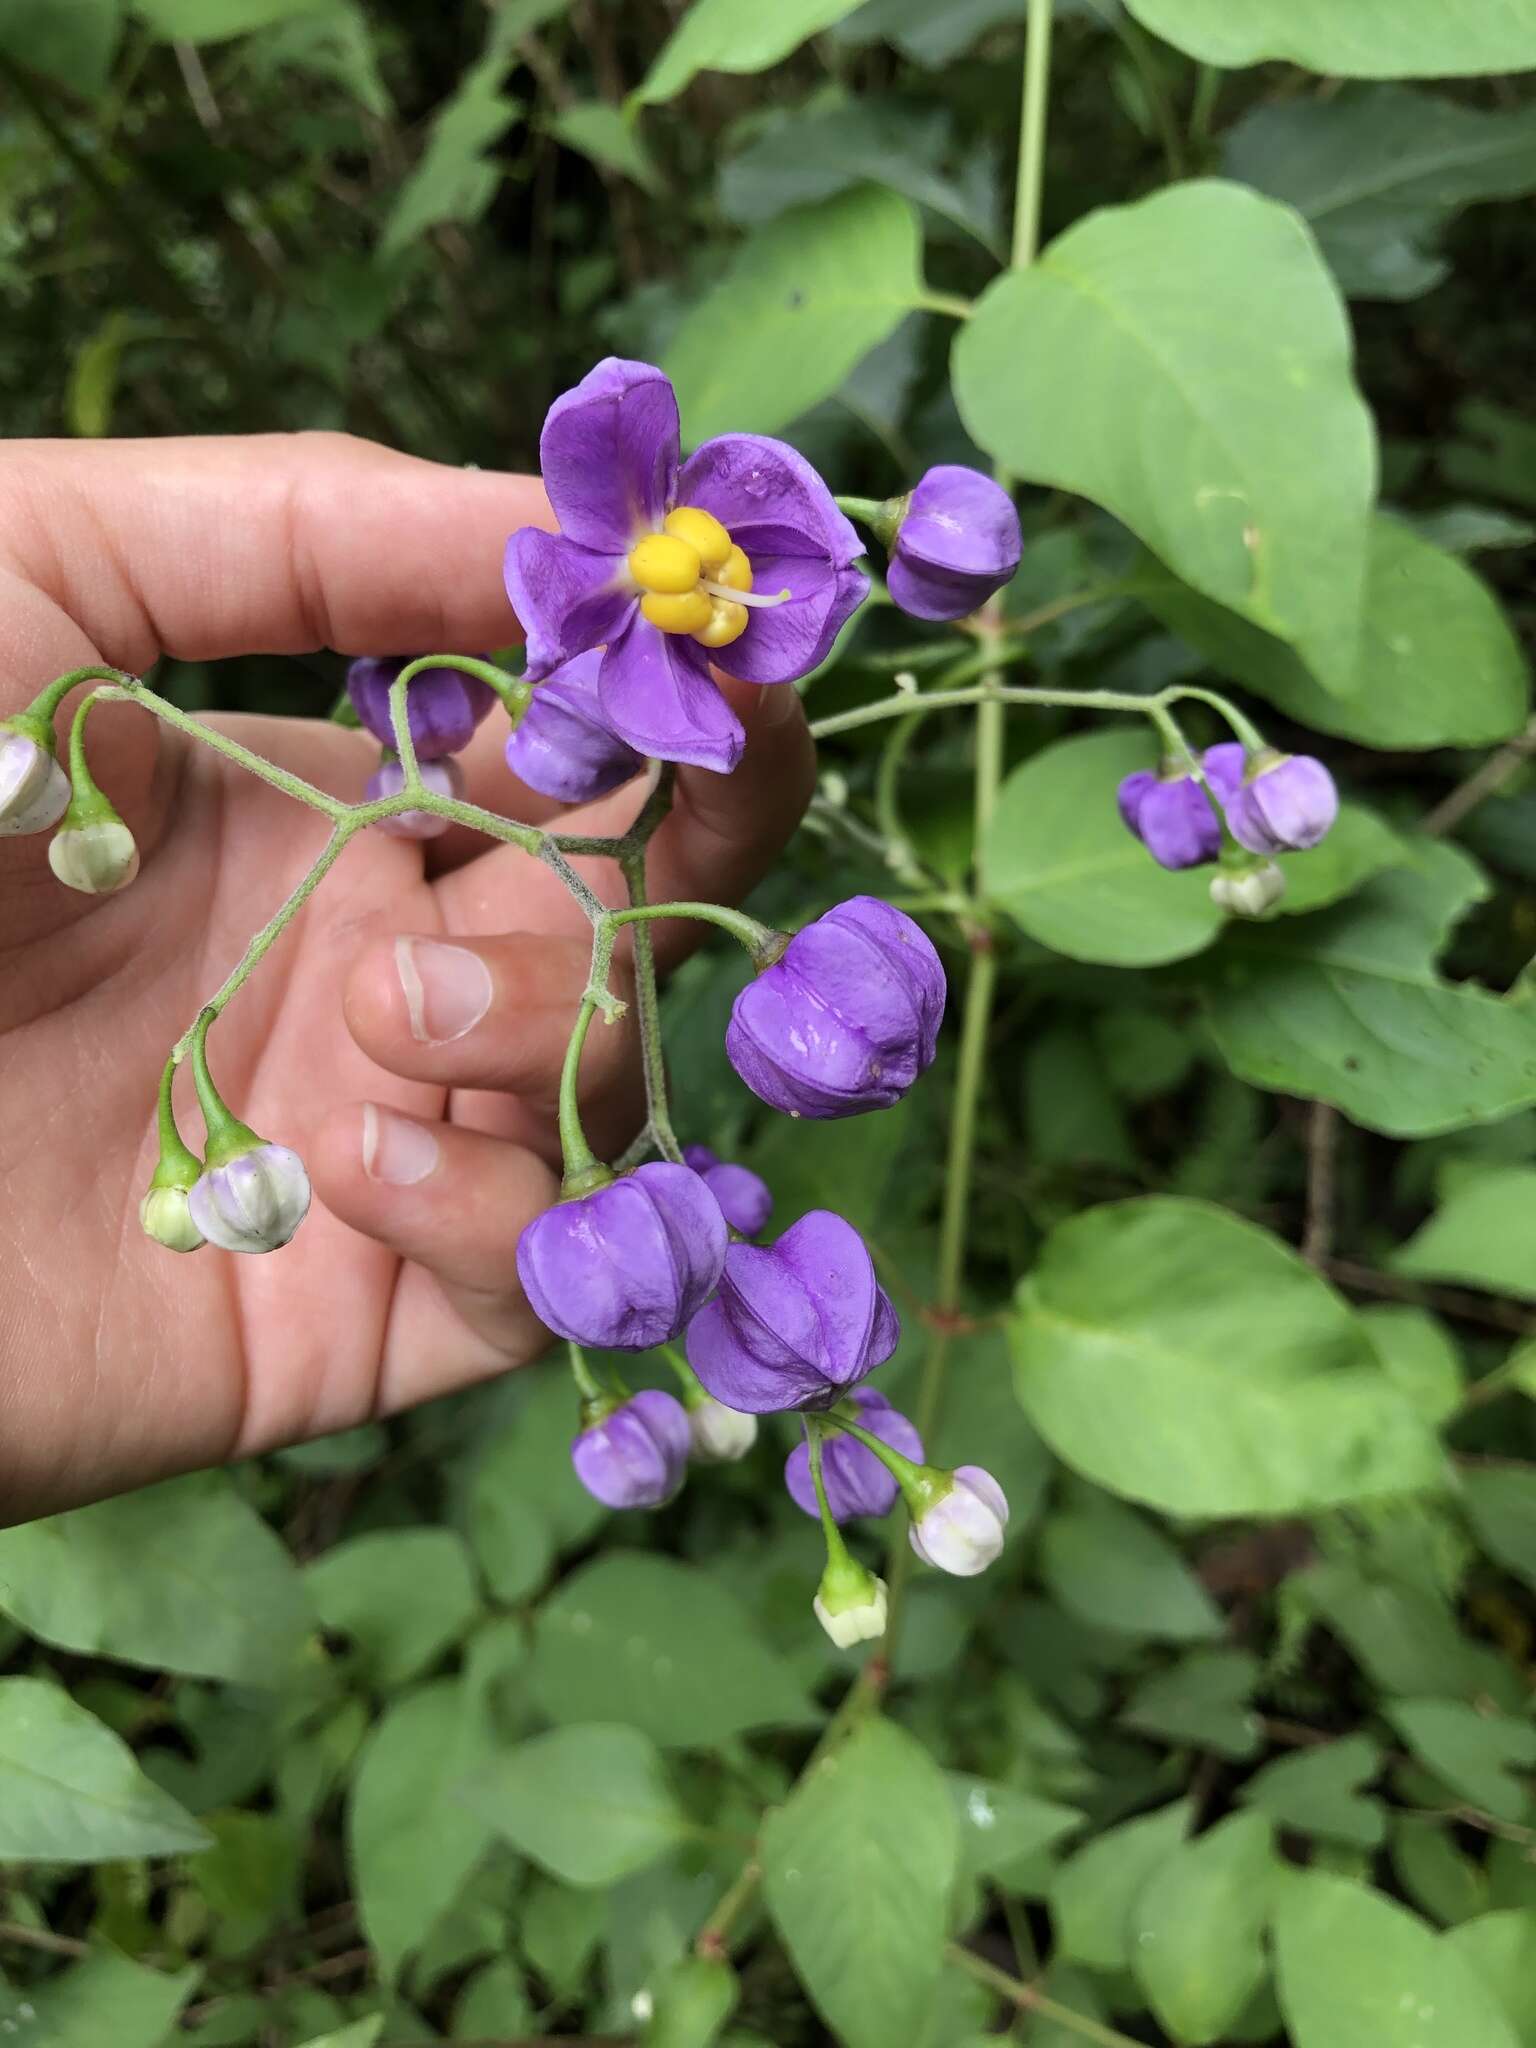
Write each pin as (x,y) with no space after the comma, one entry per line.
(96,856)
(253,1200)
(850,1602)
(165,1214)
(34,790)
(960,1530)
(720,1435)
(1248,891)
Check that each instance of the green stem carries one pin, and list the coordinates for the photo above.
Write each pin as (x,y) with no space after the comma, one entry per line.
(41,713)
(648,1013)
(587,1383)
(582,1165)
(267,937)
(687,1378)
(865,510)
(130,690)
(1032,112)
(919,702)
(226,1134)
(1028,1999)
(837,1548)
(950,303)
(760,940)
(87,800)
(178,1165)
(919,1484)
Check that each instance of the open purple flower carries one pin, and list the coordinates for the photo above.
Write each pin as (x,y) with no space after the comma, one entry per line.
(795,1324)
(636,1455)
(745,1198)
(662,562)
(856,1481)
(628,1265)
(443,705)
(563,746)
(846,1019)
(957,542)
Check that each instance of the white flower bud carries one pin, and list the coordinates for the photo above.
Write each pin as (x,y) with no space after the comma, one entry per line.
(34,790)
(962,1531)
(1247,892)
(96,858)
(720,1435)
(852,1616)
(253,1202)
(166,1216)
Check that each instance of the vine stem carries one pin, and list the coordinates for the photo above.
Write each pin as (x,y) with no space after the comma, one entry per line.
(1030,177)
(916,703)
(648,1014)
(1028,1999)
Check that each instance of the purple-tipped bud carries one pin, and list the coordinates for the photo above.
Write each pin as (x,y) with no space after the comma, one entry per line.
(446,777)
(253,1202)
(628,1265)
(846,1019)
(443,705)
(563,746)
(34,790)
(1286,803)
(636,1455)
(1172,817)
(795,1324)
(957,542)
(962,1531)
(855,1480)
(745,1198)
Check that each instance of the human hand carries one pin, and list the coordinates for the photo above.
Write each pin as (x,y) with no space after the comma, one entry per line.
(405,1036)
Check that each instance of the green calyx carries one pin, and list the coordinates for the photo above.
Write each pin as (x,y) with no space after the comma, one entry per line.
(889,518)
(846,1584)
(586,1180)
(596,1408)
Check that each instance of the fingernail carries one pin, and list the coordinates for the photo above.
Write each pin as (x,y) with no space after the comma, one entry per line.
(447,989)
(396,1149)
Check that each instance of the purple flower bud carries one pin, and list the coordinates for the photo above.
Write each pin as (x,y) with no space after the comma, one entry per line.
(34,790)
(563,746)
(958,541)
(636,1455)
(745,1198)
(846,1019)
(856,1481)
(253,1202)
(628,1265)
(1172,817)
(1287,803)
(962,1531)
(443,704)
(388,779)
(796,1323)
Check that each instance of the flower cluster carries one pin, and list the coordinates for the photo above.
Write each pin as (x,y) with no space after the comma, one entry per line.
(1244,802)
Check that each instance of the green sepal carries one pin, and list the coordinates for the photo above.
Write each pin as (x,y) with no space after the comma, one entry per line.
(846,1583)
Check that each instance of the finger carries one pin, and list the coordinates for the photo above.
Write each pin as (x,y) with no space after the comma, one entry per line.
(452,1202)
(272,543)
(496,1013)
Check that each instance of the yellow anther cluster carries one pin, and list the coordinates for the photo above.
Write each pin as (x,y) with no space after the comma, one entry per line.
(673,569)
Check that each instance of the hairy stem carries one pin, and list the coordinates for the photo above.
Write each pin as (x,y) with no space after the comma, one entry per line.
(648,1014)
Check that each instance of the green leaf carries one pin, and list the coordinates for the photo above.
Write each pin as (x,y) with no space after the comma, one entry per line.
(1498,455)
(1437,665)
(693,2001)
(72,41)
(734,35)
(1094,1892)
(1501,1505)
(71,1791)
(1365,39)
(1347,1006)
(249,1878)
(1202,1702)
(1317,1792)
(1107,1564)
(601,132)
(591,1803)
(1404,1636)
(1003,1829)
(1481,1234)
(1434,1873)
(415,1828)
(802,300)
(401,1595)
(1359,846)
(1500,1951)
(512,1541)
(1419,1355)
(493,2003)
(361,2034)
(1379,171)
(453,181)
(931,35)
(1352,1968)
(103,1998)
(1180,1356)
(211,21)
(663,1646)
(1059,860)
(183,1576)
(1197,1928)
(1072,1114)
(531,1460)
(1212,408)
(857,1868)
(560,1927)
(1475,1753)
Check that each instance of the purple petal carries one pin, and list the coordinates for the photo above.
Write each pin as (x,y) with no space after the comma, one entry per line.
(1177,824)
(657,693)
(637,1456)
(856,1481)
(443,705)
(745,1198)
(1286,808)
(609,455)
(1224,766)
(832,1263)
(959,519)
(700,1157)
(786,641)
(747,1355)
(446,777)
(769,498)
(1131,795)
(567,599)
(563,747)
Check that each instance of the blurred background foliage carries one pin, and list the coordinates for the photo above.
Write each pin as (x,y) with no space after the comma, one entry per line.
(394,1737)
